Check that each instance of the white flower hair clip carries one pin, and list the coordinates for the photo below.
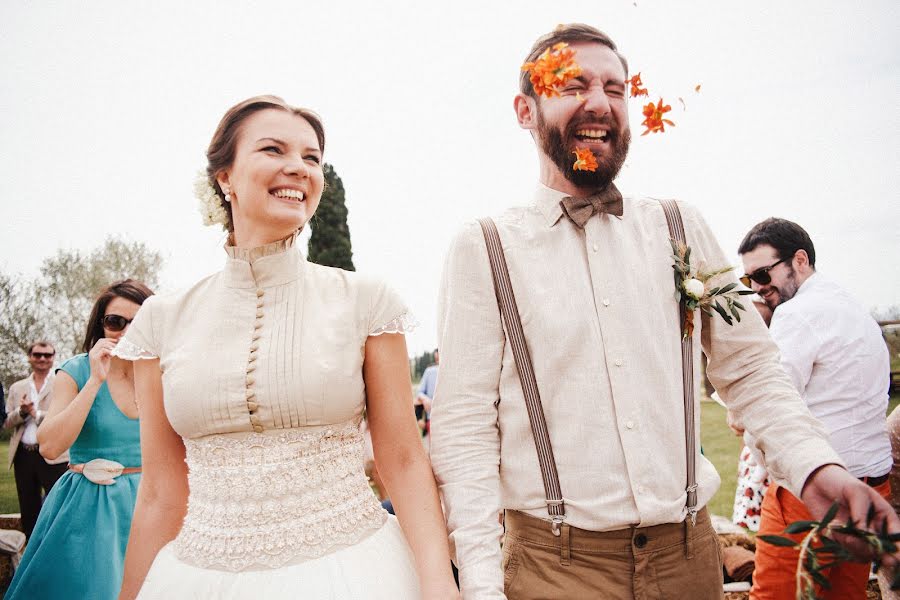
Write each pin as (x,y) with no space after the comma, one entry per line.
(210,203)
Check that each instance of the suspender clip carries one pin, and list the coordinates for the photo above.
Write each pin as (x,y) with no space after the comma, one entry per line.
(556,524)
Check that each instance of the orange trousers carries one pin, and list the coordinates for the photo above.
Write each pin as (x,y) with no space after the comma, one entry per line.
(775,576)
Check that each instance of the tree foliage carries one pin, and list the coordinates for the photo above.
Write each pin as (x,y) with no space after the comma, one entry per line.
(420,363)
(329,243)
(55,306)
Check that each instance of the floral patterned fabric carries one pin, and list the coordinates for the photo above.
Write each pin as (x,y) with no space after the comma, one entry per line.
(753,481)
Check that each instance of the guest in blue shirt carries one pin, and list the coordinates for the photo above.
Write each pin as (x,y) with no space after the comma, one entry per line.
(426,389)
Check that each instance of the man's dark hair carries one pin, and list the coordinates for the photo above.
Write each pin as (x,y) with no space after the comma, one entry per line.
(40,343)
(785,236)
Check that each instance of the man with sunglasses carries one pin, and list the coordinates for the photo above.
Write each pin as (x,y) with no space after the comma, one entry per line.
(832,350)
(26,405)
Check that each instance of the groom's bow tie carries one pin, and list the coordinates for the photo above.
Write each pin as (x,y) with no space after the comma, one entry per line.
(579,210)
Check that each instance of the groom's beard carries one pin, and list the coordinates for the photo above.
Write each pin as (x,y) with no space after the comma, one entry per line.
(560,147)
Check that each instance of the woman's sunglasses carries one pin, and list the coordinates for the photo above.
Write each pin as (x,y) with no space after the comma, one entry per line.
(760,276)
(115,322)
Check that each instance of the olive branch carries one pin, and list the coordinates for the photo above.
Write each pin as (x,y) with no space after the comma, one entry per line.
(688,284)
(819,550)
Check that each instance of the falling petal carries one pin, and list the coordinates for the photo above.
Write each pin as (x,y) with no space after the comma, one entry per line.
(654,121)
(552,70)
(683,105)
(584,160)
(697,88)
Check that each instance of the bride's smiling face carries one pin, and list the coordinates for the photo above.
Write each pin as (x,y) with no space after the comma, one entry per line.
(276,179)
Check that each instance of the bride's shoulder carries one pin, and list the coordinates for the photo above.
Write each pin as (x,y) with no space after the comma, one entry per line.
(181,299)
(340,282)
(374,300)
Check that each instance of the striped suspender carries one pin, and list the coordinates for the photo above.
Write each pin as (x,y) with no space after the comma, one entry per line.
(512,323)
(676,232)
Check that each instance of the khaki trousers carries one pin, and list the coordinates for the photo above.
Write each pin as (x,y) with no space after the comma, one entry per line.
(678,561)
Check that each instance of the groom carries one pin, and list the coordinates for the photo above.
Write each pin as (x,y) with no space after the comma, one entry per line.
(593,283)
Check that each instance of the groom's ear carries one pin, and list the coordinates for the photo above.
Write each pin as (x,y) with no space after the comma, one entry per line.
(526,111)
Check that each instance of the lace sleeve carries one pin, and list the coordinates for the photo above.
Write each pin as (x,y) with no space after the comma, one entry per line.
(404,323)
(128,351)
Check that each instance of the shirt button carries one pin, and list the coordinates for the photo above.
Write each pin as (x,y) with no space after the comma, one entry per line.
(254,347)
(258,428)
(252,406)
(595,247)
(250,380)
(629,424)
(260,293)
(259,304)
(251,367)
(606,302)
(259,314)
(618,362)
(250,394)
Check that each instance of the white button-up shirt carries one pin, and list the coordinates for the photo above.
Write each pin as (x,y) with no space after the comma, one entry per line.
(600,317)
(29,436)
(833,351)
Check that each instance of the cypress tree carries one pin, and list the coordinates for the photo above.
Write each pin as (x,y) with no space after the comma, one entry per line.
(329,243)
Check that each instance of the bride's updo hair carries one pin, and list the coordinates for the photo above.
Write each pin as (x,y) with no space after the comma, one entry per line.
(220,154)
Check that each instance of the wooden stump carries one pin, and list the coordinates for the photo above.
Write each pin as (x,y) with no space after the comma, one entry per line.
(11,521)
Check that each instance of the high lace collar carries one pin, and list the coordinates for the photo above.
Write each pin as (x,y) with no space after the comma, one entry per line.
(273,264)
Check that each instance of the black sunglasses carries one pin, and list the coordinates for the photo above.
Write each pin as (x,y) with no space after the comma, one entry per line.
(43,354)
(115,322)
(761,275)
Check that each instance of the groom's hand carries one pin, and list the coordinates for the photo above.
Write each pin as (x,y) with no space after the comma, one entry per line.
(829,484)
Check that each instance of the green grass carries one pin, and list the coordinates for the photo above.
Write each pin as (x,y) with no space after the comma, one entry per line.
(9,502)
(722,448)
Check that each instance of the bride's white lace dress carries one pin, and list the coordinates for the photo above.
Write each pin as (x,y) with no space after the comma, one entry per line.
(262,377)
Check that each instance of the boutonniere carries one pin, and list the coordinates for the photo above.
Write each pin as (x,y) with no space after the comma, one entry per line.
(692,287)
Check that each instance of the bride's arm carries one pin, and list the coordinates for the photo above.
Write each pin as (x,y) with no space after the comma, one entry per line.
(403,464)
(162,495)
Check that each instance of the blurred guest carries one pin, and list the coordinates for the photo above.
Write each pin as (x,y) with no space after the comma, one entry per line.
(834,353)
(427,385)
(26,407)
(78,546)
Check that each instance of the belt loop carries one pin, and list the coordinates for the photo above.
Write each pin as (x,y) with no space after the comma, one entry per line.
(565,546)
(688,542)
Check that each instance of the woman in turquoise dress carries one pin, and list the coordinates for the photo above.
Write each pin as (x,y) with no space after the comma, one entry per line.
(78,546)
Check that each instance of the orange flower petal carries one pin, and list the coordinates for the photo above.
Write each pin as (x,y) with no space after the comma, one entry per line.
(584,160)
(553,69)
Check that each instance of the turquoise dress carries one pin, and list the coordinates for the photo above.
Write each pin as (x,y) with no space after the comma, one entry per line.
(77,549)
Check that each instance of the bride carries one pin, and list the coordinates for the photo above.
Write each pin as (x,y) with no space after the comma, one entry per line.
(251,390)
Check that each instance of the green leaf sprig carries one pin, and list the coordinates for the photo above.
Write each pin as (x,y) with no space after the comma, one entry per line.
(819,550)
(710,298)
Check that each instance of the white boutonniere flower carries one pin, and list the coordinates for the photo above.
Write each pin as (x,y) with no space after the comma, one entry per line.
(693,291)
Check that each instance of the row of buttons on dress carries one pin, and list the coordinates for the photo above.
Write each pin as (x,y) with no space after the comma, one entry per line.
(252,405)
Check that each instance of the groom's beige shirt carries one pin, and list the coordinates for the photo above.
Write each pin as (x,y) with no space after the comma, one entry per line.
(600,317)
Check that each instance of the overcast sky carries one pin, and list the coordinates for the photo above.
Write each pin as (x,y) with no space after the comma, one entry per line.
(106,109)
